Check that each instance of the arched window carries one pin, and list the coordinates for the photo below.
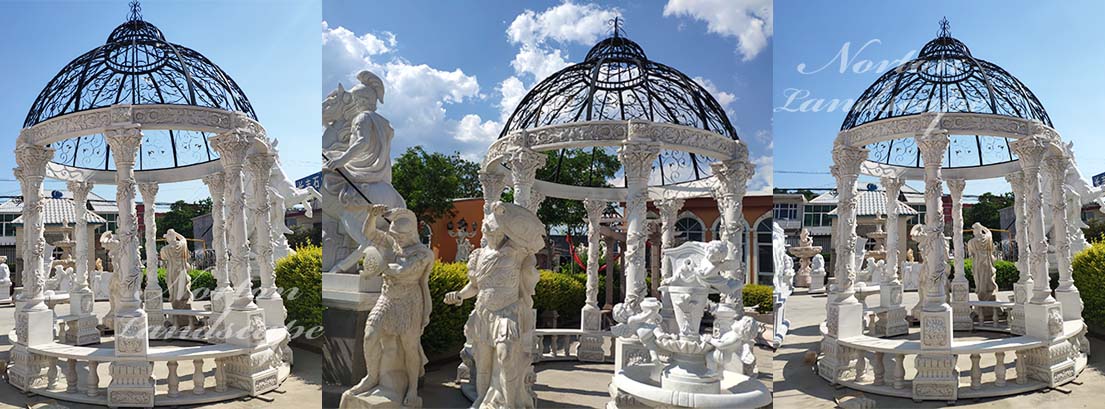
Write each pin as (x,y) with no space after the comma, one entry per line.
(690,229)
(765,261)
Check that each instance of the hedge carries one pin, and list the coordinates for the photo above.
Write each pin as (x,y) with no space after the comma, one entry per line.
(200,279)
(759,296)
(302,271)
(1089,277)
(445,332)
(1005,273)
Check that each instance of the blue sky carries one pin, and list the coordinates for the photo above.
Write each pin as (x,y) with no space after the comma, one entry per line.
(270,48)
(1054,49)
(455,70)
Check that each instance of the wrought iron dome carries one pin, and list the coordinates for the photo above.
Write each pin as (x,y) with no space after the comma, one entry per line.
(617,81)
(945,77)
(137,66)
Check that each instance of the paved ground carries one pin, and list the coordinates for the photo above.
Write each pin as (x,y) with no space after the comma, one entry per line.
(798,386)
(301,390)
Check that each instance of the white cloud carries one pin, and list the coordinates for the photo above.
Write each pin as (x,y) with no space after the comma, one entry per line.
(472,129)
(538,61)
(512,91)
(565,23)
(725,99)
(764,179)
(750,21)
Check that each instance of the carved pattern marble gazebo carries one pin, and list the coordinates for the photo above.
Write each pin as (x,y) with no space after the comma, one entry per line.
(949,116)
(139,112)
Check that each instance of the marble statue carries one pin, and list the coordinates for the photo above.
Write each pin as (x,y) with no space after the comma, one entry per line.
(867,275)
(99,264)
(66,281)
(356,146)
(282,192)
(709,275)
(818,263)
(392,349)
(734,349)
(5,281)
(878,271)
(115,286)
(464,243)
(502,276)
(981,249)
(176,259)
(804,239)
(783,281)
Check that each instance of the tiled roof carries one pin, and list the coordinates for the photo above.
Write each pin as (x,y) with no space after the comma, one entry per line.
(868,203)
(59,211)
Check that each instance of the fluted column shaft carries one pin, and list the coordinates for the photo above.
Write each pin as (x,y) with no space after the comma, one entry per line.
(637,157)
(80,192)
(32,161)
(846,163)
(232,148)
(893,187)
(1030,152)
(124,144)
(260,165)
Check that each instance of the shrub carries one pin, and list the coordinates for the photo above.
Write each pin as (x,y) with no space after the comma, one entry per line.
(561,293)
(445,333)
(303,272)
(1006,274)
(202,279)
(1089,276)
(759,296)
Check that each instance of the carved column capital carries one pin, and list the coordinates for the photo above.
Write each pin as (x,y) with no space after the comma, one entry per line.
(933,146)
(215,182)
(524,163)
(846,161)
(79,189)
(232,146)
(594,210)
(149,191)
(1030,151)
(124,143)
(956,186)
(732,175)
(32,159)
(637,158)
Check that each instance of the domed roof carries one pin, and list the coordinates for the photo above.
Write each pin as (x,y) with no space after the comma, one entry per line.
(945,77)
(617,81)
(137,66)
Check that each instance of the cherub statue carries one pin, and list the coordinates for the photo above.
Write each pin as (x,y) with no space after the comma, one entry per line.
(392,347)
(711,275)
(502,275)
(645,325)
(735,346)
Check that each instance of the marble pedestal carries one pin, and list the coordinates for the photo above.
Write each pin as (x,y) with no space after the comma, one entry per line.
(348,299)
(254,372)
(590,346)
(81,330)
(28,370)
(890,319)
(1049,364)
(132,382)
(628,352)
(803,277)
(937,377)
(842,321)
(275,313)
(153,304)
(817,281)
(961,311)
(1072,304)
(1016,317)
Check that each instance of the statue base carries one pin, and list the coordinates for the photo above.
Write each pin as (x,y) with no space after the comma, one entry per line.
(1016,317)
(961,311)
(131,384)
(253,373)
(817,282)
(377,398)
(1072,303)
(1051,364)
(275,313)
(32,328)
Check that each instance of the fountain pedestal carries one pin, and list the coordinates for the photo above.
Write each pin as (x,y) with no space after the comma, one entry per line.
(805,255)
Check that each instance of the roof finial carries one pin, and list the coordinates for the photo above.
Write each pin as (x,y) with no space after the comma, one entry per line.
(945,28)
(135,11)
(616,23)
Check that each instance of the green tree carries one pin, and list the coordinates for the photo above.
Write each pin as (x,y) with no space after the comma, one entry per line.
(430,181)
(1096,230)
(574,167)
(180,215)
(986,210)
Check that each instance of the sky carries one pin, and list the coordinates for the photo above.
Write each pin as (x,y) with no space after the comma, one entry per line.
(454,71)
(270,48)
(1056,51)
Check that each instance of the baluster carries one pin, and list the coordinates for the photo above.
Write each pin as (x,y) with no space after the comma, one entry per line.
(174,379)
(880,368)
(861,364)
(71,375)
(198,377)
(976,372)
(999,368)
(52,373)
(220,375)
(93,378)
(899,371)
(1022,372)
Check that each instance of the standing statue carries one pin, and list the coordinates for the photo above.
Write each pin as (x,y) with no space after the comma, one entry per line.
(282,192)
(175,257)
(115,286)
(392,348)
(502,275)
(464,242)
(5,281)
(356,147)
(981,248)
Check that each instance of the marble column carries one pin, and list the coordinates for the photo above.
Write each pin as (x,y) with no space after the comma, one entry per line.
(82,330)
(891,320)
(232,147)
(131,375)
(216,185)
(34,321)
(937,377)
(669,213)
(960,287)
(524,163)
(610,290)
(732,182)
(1024,279)
(590,346)
(269,299)
(1043,315)
(637,157)
(844,313)
(1067,294)
(152,295)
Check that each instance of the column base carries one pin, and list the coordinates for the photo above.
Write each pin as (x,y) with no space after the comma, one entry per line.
(629,352)
(590,348)
(961,311)
(937,377)
(1043,321)
(245,328)
(891,323)
(275,313)
(131,385)
(844,320)
(590,318)
(1016,317)
(835,363)
(153,305)
(936,329)
(1051,364)
(82,331)
(28,370)
(817,282)
(1072,303)
(253,373)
